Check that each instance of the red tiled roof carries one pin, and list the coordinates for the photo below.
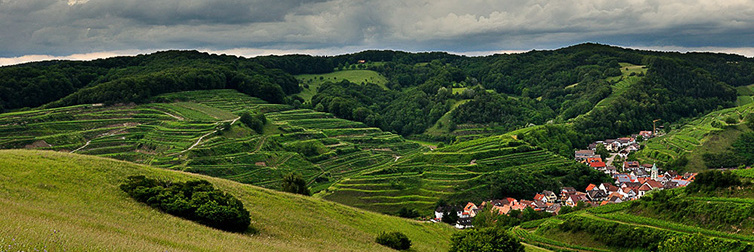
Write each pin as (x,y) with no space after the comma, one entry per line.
(597,164)
(645,187)
(654,184)
(594,159)
(590,187)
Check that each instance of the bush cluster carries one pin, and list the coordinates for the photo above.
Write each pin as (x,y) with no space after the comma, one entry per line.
(255,122)
(617,234)
(193,200)
(709,181)
(484,240)
(394,240)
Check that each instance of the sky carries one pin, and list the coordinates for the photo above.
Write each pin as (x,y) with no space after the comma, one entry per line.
(33,30)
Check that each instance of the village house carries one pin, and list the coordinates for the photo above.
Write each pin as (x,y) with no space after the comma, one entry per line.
(553,209)
(646,134)
(591,187)
(625,141)
(440,211)
(566,192)
(580,155)
(596,195)
(630,165)
(575,198)
(470,209)
(550,196)
(608,188)
(598,165)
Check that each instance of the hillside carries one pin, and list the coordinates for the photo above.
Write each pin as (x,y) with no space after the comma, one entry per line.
(711,133)
(713,213)
(187,131)
(58,201)
(481,169)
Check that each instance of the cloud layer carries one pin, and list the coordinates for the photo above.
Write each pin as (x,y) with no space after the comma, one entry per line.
(81,27)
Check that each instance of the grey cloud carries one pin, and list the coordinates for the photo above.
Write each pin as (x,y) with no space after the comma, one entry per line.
(57,28)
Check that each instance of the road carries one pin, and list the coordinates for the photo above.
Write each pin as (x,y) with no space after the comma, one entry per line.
(609,160)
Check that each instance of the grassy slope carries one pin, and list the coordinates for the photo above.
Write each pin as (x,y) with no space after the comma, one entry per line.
(624,83)
(62,201)
(544,233)
(160,134)
(442,124)
(355,76)
(745,95)
(696,138)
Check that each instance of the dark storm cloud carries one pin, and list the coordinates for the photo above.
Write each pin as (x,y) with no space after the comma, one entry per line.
(63,27)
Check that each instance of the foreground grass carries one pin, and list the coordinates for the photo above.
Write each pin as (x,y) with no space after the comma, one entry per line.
(58,201)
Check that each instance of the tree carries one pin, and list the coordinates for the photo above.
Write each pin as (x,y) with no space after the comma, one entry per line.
(255,122)
(484,240)
(602,151)
(449,215)
(408,213)
(294,183)
(394,240)
(485,218)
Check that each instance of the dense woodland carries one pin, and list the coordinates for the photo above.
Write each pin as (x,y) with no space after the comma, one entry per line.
(503,91)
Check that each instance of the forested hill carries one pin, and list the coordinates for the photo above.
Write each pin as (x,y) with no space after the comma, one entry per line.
(137,78)
(433,95)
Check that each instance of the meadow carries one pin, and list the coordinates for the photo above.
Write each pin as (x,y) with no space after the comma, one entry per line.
(58,201)
(312,81)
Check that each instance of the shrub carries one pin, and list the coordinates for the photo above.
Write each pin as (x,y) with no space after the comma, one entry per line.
(487,239)
(394,240)
(193,200)
(255,122)
(294,183)
(408,213)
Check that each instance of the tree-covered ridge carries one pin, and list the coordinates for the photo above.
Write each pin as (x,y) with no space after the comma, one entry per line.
(552,86)
(137,78)
(534,87)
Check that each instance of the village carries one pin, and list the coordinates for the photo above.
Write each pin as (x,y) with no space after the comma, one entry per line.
(632,180)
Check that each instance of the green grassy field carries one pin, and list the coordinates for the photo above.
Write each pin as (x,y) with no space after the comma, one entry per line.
(745,95)
(355,76)
(58,201)
(697,137)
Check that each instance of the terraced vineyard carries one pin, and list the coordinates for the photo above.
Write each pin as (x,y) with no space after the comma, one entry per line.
(693,135)
(420,180)
(182,132)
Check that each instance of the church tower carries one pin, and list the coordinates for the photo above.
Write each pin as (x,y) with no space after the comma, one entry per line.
(654,172)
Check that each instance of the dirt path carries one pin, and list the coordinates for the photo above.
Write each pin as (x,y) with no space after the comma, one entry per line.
(610,159)
(87,144)
(285,160)
(173,116)
(260,144)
